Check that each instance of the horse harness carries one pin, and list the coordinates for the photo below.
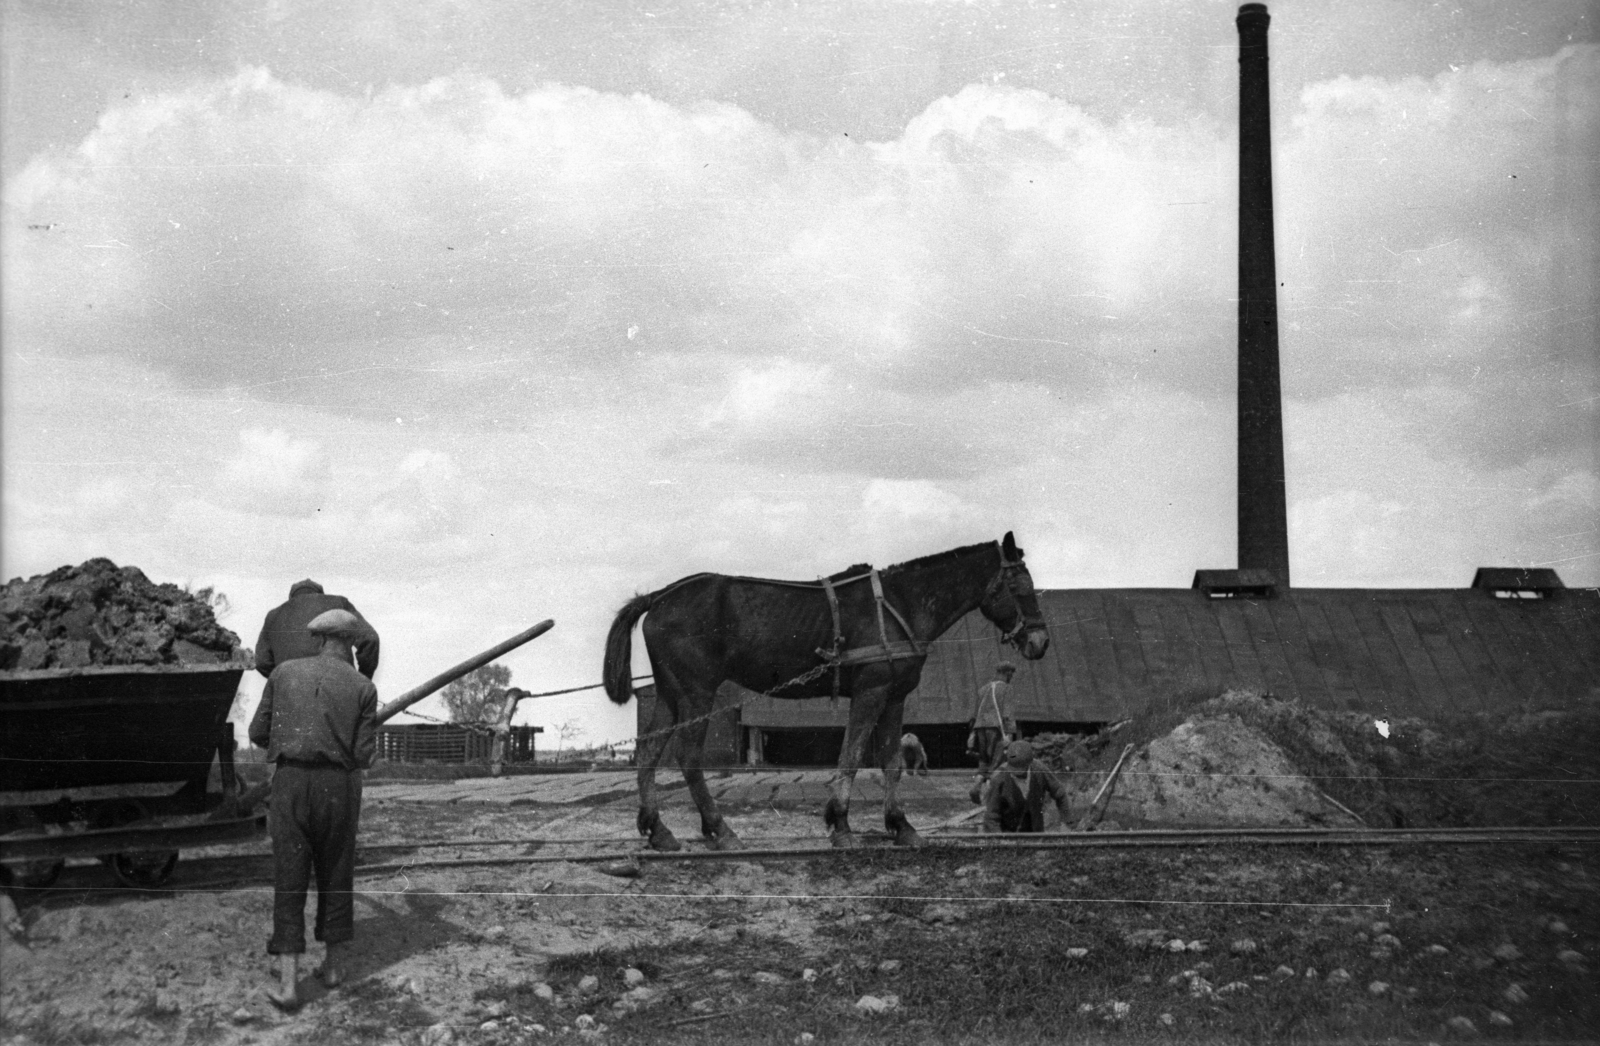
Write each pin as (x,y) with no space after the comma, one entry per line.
(841,658)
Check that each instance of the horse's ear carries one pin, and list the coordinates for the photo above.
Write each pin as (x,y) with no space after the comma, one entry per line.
(1009,547)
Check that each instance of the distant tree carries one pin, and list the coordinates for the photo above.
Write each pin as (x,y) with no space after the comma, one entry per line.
(220,605)
(564,733)
(478,696)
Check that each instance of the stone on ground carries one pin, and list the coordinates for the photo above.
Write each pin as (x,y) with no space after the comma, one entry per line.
(873,1004)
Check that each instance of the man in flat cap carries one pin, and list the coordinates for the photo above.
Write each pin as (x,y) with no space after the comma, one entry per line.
(1015,800)
(284,636)
(991,725)
(318,722)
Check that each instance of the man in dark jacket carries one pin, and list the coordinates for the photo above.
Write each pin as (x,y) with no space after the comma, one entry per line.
(318,722)
(1015,799)
(284,636)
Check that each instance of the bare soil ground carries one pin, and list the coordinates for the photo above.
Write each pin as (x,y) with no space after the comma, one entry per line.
(951,947)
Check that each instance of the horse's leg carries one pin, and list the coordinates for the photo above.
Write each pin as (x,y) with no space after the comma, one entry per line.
(691,751)
(649,754)
(865,706)
(892,759)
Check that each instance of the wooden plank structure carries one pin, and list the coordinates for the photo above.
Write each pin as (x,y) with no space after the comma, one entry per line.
(448,743)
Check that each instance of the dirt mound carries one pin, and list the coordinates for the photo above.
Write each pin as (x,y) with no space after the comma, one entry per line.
(1244,758)
(1218,769)
(1249,758)
(1066,752)
(102,614)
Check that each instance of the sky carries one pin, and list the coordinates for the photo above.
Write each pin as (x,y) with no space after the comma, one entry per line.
(484,312)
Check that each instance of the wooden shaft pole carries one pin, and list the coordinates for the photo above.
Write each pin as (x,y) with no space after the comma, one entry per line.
(471,664)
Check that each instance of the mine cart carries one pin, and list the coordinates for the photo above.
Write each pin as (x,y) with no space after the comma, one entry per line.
(114,762)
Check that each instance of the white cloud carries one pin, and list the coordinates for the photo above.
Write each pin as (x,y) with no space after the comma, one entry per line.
(276,475)
(453,249)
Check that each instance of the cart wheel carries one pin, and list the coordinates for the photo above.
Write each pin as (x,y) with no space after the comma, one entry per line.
(32,875)
(143,870)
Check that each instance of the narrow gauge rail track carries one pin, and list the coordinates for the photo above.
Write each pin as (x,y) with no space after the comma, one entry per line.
(973,842)
(797,848)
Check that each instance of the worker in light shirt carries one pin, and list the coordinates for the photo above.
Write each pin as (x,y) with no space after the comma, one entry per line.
(991,726)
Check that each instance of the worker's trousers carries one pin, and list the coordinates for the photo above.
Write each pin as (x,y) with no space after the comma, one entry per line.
(315,810)
(991,748)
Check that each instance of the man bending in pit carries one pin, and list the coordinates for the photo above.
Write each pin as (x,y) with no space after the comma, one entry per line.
(1015,799)
(913,754)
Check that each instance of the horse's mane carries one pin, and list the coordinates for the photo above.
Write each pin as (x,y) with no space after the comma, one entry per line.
(935,558)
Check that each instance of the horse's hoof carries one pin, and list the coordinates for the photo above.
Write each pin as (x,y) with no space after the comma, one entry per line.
(662,839)
(907,836)
(845,841)
(727,839)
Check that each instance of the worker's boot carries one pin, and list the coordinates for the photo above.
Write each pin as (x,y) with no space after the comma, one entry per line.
(334,963)
(286,995)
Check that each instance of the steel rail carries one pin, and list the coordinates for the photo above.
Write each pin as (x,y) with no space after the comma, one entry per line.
(1090,840)
(880,842)
(972,843)
(470,842)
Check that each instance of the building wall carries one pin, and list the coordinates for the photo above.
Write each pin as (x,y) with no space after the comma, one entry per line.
(1390,652)
(722,747)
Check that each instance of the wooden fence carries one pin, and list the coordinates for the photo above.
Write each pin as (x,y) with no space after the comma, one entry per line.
(430,743)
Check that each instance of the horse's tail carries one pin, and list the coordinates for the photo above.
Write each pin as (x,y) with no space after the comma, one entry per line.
(618,672)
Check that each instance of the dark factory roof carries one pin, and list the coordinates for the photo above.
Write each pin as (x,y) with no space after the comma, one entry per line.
(1390,652)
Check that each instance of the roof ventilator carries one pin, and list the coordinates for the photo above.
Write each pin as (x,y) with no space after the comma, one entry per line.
(1518,582)
(1247,583)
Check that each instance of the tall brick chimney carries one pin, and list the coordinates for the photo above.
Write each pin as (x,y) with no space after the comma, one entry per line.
(1263,509)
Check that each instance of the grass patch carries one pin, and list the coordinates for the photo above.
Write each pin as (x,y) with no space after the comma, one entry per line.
(1002,967)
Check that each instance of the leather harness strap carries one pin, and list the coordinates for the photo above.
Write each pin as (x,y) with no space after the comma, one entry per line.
(883,650)
(833,655)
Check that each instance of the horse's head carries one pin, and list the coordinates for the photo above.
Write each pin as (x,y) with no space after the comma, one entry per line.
(1012,606)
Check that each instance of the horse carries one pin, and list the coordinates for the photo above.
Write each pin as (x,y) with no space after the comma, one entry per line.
(861,632)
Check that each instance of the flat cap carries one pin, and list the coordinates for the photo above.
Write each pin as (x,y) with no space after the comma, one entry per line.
(335,622)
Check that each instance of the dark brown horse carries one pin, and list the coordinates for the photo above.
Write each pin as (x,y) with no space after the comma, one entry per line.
(862,630)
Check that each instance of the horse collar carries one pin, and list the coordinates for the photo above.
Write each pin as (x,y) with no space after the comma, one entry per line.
(883,650)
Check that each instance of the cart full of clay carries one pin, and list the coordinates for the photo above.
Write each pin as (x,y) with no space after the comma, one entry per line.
(116,763)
